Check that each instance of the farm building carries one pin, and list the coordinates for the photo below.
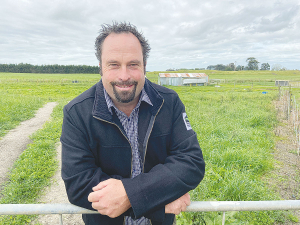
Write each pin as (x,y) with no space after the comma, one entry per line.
(183,79)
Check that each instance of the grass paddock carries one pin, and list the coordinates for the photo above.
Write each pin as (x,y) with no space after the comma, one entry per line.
(234,124)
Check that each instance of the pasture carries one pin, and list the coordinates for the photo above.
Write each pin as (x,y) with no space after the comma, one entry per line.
(234,123)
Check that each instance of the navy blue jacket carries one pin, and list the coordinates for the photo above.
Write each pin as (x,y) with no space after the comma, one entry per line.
(95,148)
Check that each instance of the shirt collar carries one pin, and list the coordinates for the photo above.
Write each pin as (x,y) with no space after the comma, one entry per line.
(143,97)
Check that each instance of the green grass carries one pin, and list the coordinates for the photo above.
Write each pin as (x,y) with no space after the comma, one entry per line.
(34,168)
(266,78)
(15,108)
(234,124)
(31,173)
(235,131)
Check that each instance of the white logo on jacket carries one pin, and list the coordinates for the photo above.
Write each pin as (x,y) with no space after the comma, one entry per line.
(186,121)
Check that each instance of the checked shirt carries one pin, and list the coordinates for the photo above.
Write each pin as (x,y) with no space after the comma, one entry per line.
(130,125)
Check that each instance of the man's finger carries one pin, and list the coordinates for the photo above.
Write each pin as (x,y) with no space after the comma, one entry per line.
(188,202)
(93,197)
(101,185)
(187,199)
(183,208)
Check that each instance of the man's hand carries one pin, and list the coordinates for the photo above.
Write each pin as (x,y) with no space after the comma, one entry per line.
(179,205)
(110,198)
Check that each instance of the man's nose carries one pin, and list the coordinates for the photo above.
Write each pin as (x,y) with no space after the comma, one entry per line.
(124,75)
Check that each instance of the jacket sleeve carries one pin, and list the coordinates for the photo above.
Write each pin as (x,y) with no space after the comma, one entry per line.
(79,170)
(182,170)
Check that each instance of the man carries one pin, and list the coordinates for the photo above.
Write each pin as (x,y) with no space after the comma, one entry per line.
(128,150)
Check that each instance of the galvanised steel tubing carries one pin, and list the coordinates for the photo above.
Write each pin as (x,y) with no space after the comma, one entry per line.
(223,206)
(205,206)
(27,209)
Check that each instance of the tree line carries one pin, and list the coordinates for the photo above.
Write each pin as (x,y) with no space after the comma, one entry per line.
(253,64)
(64,69)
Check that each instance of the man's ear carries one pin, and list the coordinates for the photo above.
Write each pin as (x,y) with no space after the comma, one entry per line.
(145,68)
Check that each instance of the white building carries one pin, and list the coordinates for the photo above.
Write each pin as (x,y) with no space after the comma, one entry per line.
(182,79)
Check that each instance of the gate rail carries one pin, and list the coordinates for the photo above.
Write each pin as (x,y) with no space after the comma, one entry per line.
(206,206)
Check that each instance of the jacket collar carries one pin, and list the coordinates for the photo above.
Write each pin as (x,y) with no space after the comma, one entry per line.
(100,108)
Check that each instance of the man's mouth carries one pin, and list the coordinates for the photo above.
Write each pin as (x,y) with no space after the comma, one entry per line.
(124,91)
(124,85)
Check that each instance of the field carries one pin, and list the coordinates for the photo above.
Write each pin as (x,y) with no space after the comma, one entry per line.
(234,122)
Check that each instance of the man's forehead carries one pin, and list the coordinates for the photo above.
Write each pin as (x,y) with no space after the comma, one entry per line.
(121,39)
(122,45)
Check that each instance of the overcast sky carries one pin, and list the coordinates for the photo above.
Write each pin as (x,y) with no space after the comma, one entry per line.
(182,34)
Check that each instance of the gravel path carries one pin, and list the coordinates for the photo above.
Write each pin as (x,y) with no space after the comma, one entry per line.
(13,143)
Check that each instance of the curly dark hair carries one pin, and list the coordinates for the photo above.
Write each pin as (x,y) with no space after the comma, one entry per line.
(118,28)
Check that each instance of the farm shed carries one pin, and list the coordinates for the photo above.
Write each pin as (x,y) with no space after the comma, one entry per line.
(182,79)
(282,83)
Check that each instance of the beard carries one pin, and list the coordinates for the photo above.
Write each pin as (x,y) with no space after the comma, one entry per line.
(124,96)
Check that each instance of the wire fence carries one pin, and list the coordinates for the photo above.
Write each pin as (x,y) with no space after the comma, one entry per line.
(291,112)
(257,82)
(197,206)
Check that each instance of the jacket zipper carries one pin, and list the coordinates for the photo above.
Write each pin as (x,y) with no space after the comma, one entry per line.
(123,135)
(149,135)
(131,146)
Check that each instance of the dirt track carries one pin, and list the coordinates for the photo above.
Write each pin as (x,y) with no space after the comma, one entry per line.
(13,144)
(57,194)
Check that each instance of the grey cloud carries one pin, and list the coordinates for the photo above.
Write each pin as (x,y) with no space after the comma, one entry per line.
(192,33)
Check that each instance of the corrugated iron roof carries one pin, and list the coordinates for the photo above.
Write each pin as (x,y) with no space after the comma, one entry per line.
(182,75)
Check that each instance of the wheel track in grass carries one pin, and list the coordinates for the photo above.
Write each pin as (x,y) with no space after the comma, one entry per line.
(14,143)
(56,193)
(17,139)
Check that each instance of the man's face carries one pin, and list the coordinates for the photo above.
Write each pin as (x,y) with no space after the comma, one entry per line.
(122,68)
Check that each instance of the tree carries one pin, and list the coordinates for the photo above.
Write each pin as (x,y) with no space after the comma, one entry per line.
(265,66)
(252,63)
(230,67)
(211,67)
(220,67)
(239,67)
(28,68)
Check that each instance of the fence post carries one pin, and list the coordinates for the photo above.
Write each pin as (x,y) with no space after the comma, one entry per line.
(60,219)
(289,103)
(223,219)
